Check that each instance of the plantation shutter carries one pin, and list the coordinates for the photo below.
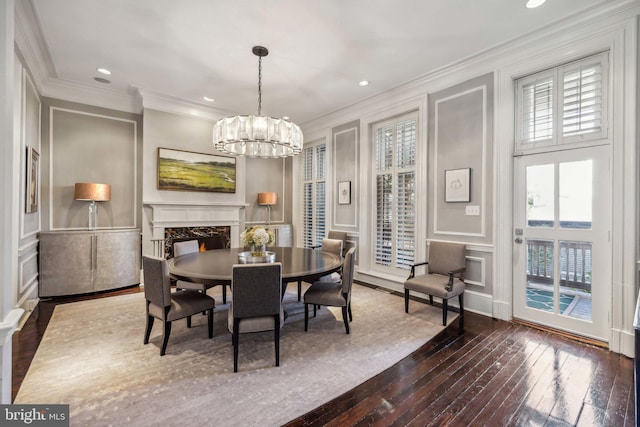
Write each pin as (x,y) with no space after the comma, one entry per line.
(314,194)
(406,178)
(395,152)
(566,104)
(537,108)
(582,100)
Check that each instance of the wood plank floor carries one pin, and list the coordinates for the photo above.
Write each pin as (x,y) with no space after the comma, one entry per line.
(492,373)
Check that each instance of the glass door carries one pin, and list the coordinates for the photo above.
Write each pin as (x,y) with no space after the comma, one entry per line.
(562,265)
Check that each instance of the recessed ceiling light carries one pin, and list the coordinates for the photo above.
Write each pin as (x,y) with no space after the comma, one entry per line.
(206,98)
(103,71)
(363,83)
(101,80)
(530,4)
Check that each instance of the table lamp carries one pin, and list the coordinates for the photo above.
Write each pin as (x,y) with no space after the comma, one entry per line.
(268,200)
(91,192)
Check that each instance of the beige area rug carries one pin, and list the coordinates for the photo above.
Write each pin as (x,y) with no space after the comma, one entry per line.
(92,358)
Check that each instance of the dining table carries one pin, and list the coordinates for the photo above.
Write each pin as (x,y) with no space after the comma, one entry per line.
(214,267)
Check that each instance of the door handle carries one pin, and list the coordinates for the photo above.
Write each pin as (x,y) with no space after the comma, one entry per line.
(518,240)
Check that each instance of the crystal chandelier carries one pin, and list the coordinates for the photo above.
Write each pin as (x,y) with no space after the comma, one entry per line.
(257,136)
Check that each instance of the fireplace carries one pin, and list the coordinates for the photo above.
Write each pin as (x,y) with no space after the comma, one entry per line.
(209,237)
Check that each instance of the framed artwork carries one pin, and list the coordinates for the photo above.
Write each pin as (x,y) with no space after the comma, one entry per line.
(344,193)
(457,185)
(33,171)
(188,171)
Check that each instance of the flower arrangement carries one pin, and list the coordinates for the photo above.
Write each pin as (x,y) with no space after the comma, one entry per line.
(257,237)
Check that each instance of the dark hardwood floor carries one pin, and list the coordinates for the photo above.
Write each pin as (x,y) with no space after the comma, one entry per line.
(493,373)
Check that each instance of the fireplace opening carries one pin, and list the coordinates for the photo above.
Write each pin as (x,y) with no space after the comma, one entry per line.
(218,237)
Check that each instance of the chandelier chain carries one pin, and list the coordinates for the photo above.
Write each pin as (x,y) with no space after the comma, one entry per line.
(259,85)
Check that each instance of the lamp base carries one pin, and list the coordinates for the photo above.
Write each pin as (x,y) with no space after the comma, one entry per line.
(93,215)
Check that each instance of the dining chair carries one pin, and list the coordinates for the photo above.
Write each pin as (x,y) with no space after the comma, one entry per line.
(189,247)
(333,246)
(256,304)
(339,235)
(168,306)
(333,294)
(443,279)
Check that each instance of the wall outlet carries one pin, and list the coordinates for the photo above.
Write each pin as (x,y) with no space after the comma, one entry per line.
(472,210)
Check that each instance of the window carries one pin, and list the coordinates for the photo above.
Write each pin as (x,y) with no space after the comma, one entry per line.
(395,192)
(314,197)
(563,105)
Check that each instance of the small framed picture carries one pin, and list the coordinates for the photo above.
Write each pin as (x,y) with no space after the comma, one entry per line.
(344,193)
(457,185)
(33,171)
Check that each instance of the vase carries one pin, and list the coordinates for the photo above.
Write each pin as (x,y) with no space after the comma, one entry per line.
(258,250)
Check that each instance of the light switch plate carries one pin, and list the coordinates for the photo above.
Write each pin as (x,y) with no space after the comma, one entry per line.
(472,210)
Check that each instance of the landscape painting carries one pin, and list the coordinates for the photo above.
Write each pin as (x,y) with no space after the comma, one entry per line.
(187,171)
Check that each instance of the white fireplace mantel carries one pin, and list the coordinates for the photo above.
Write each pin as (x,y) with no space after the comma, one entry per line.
(180,214)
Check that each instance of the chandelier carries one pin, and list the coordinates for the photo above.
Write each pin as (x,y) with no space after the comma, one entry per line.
(257,136)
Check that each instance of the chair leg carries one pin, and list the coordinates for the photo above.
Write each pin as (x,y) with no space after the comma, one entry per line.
(306,317)
(460,301)
(188,321)
(406,300)
(224,294)
(210,322)
(165,337)
(350,314)
(299,290)
(445,306)
(276,338)
(235,338)
(345,318)
(431,299)
(315,309)
(147,332)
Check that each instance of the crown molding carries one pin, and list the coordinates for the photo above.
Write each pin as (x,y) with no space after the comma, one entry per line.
(31,44)
(169,104)
(90,95)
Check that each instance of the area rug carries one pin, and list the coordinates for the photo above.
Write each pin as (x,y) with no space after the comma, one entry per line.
(92,358)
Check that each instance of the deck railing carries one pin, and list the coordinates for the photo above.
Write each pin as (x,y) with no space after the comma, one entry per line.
(575,263)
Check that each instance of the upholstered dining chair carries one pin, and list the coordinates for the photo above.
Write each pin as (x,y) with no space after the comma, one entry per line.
(333,246)
(333,294)
(189,247)
(168,306)
(256,304)
(444,278)
(339,235)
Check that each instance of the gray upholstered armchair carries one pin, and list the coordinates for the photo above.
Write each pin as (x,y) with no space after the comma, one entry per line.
(444,279)
(256,304)
(167,306)
(332,293)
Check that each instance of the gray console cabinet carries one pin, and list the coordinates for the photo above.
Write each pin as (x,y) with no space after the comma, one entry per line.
(79,262)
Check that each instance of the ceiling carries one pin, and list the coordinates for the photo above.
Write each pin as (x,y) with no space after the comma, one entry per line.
(319,50)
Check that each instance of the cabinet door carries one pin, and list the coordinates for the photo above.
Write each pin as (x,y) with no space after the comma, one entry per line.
(65,264)
(117,260)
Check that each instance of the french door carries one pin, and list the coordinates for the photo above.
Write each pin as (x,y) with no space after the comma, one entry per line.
(561,249)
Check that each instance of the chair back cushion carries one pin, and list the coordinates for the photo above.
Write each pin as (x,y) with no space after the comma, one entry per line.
(338,235)
(332,246)
(445,257)
(157,288)
(256,289)
(347,271)
(185,247)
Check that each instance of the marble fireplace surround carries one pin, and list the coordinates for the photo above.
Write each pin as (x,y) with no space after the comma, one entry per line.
(180,214)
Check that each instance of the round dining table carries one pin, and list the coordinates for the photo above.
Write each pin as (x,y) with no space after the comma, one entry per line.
(214,267)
